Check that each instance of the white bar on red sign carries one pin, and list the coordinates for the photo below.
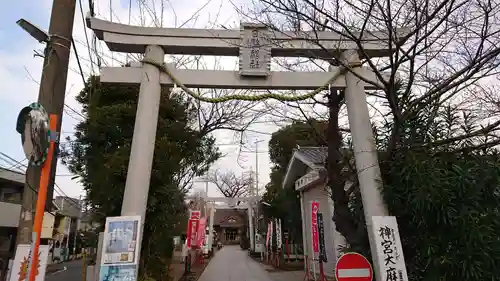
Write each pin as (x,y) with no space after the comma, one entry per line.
(354,272)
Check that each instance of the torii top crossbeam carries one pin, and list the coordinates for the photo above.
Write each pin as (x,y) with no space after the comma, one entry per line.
(254,44)
(219,42)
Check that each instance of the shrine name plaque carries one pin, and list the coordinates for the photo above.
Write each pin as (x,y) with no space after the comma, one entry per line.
(255,50)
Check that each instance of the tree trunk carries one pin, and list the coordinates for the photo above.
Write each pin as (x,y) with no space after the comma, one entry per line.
(344,220)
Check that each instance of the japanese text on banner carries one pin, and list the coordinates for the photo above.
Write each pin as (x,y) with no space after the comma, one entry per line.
(278,233)
(268,234)
(314,225)
(201,232)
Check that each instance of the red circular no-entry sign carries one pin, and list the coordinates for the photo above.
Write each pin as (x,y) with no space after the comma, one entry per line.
(353,267)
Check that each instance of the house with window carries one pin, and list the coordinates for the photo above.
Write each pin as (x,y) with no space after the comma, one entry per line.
(11,194)
(59,226)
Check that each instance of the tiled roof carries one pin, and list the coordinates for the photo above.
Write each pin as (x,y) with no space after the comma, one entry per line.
(315,155)
(304,158)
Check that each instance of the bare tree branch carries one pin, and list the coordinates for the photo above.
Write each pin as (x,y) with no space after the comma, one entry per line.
(231,185)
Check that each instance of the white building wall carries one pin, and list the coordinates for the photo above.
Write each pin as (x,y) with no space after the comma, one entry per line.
(333,239)
(321,195)
(9,214)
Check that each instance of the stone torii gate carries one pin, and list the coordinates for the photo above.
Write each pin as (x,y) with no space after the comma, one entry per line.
(230,203)
(255,45)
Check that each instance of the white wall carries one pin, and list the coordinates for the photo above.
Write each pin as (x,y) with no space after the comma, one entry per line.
(9,214)
(332,238)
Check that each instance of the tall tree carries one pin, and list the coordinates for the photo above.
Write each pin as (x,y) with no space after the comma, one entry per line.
(99,155)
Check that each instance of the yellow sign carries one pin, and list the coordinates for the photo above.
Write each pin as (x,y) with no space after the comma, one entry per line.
(47,226)
(21,261)
(23,268)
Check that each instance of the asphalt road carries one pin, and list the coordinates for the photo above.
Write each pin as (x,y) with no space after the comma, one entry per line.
(72,272)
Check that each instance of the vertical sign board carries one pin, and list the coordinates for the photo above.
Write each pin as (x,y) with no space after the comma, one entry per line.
(67,225)
(314,226)
(195,215)
(19,272)
(268,234)
(321,238)
(120,254)
(192,228)
(279,242)
(390,260)
(353,267)
(255,50)
(121,240)
(271,235)
(201,232)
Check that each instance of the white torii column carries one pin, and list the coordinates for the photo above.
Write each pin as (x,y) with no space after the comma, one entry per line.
(211,227)
(135,197)
(250,227)
(365,152)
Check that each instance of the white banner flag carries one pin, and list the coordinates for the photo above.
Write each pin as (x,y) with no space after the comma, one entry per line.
(279,243)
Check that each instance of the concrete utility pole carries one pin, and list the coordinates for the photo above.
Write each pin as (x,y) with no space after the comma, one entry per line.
(51,97)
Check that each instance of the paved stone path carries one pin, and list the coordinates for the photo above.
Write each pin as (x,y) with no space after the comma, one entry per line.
(233,264)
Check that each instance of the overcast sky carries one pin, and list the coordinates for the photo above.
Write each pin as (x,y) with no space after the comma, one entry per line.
(20,72)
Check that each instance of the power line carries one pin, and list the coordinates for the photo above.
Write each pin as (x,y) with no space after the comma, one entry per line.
(78,61)
(74,111)
(17,163)
(71,200)
(86,35)
(10,160)
(61,192)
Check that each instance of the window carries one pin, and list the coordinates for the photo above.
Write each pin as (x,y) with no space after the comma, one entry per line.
(10,193)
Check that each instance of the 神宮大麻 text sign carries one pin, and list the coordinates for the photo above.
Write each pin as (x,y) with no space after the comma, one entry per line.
(391,263)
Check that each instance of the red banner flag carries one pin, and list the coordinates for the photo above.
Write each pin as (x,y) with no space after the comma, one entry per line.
(201,232)
(192,233)
(268,235)
(314,225)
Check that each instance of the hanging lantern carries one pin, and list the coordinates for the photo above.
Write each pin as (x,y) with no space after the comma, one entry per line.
(33,125)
